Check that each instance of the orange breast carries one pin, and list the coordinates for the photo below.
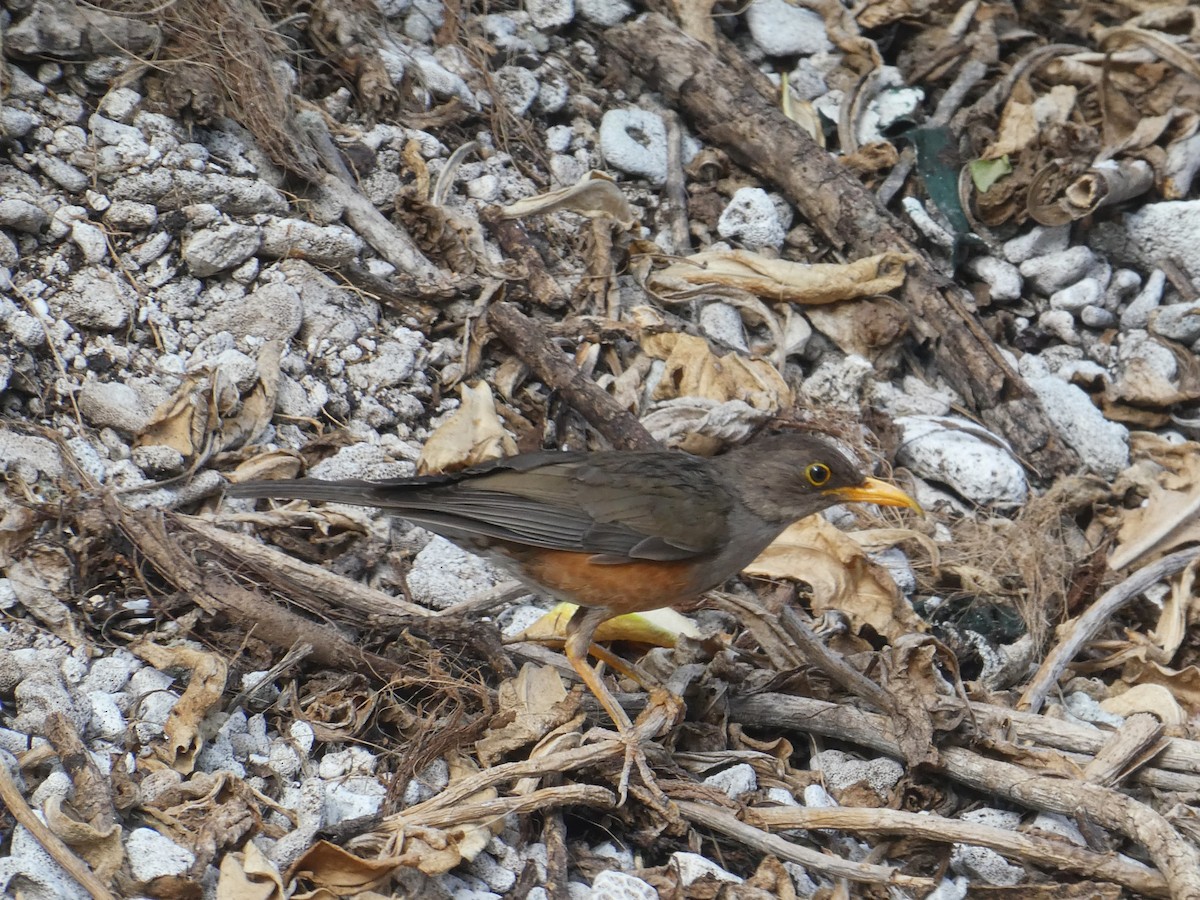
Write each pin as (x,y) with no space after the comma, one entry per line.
(623,588)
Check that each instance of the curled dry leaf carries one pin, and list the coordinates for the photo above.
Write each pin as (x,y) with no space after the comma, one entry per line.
(783,281)
(658,627)
(841,577)
(866,328)
(1168,519)
(531,705)
(208,676)
(921,674)
(693,370)
(275,464)
(1151,698)
(249,875)
(473,434)
(1105,184)
(595,195)
(1182,684)
(101,848)
(42,580)
(328,866)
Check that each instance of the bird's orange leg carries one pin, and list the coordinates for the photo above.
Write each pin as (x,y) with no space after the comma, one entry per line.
(580,631)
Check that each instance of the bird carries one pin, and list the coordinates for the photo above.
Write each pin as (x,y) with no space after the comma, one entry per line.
(615,531)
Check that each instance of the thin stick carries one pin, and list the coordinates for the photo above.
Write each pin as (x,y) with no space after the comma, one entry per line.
(1089,624)
(11,797)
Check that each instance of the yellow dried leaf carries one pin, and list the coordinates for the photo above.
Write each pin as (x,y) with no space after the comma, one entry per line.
(658,627)
(473,435)
(203,694)
(780,280)
(1151,698)
(328,866)
(841,577)
(249,875)
(258,406)
(182,422)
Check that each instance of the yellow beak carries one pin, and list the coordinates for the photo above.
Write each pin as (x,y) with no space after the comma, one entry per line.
(872,490)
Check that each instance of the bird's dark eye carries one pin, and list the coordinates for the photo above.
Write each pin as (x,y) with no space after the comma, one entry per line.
(817,474)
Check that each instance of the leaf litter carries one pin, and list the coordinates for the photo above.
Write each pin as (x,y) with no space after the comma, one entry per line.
(353,668)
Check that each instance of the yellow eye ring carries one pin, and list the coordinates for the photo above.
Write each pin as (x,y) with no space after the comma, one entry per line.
(817,474)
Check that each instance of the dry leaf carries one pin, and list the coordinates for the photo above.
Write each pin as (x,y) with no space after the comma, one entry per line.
(658,627)
(473,434)
(39,580)
(328,866)
(275,464)
(208,677)
(926,700)
(780,280)
(184,422)
(1168,519)
(1183,684)
(595,195)
(693,370)
(865,328)
(531,705)
(258,406)
(102,849)
(249,875)
(1152,698)
(841,577)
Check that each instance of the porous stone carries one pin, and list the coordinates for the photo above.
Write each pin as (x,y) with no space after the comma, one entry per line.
(112,404)
(613,885)
(1177,321)
(781,29)
(1002,278)
(635,141)
(734,781)
(443,574)
(604,13)
(324,245)
(154,855)
(1038,241)
(96,298)
(1102,445)
(1054,271)
(212,250)
(752,219)
(517,88)
(1137,313)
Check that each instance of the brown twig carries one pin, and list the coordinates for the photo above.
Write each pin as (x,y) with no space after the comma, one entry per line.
(1089,624)
(11,797)
(528,341)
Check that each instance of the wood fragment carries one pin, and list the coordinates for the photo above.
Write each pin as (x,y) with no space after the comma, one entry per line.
(1040,851)
(14,802)
(1098,615)
(1133,744)
(527,339)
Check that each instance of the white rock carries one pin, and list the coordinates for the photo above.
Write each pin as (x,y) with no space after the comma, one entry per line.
(107,721)
(158,460)
(545,14)
(1156,231)
(1177,321)
(1002,277)
(613,885)
(489,870)
(30,865)
(516,88)
(274,311)
(153,855)
(212,250)
(723,323)
(1059,827)
(993,817)
(1102,445)
(131,216)
(443,574)
(91,242)
(114,405)
(604,13)
(353,798)
(1054,271)
(1074,297)
(328,245)
(62,173)
(635,141)
(752,219)
(20,214)
(841,770)
(1059,323)
(734,781)
(974,463)
(691,867)
(1137,313)
(1097,317)
(781,29)
(839,382)
(983,864)
(1038,241)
